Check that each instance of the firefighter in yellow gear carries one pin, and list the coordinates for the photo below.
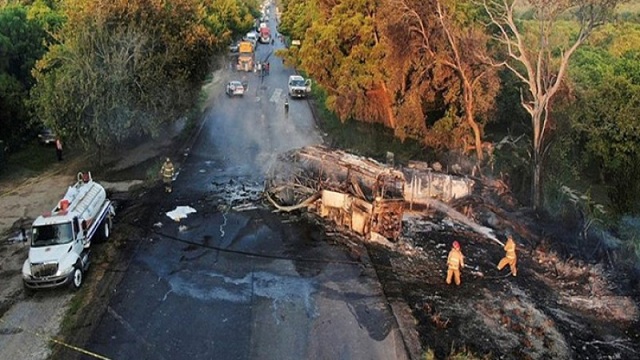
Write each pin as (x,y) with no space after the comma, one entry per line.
(510,257)
(167,173)
(455,261)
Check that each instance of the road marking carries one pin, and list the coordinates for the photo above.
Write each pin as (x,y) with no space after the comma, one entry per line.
(59,342)
(275,97)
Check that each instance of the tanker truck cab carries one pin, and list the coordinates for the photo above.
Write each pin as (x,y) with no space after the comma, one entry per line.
(61,239)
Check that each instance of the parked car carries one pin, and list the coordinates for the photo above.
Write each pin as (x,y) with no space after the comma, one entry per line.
(234,48)
(235,88)
(46,136)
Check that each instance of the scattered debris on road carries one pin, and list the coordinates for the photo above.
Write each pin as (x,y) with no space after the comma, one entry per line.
(180,212)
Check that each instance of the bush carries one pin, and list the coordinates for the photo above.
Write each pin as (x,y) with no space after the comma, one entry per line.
(629,230)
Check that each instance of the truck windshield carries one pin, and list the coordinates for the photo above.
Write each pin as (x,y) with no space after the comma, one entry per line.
(48,235)
(297,83)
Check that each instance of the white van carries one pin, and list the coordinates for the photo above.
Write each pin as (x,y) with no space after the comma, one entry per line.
(252,36)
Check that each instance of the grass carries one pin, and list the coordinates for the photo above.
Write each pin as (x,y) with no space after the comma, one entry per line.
(463,354)
(75,304)
(32,158)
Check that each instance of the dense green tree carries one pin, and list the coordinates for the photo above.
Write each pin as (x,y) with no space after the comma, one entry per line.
(123,68)
(342,51)
(228,19)
(606,116)
(297,17)
(23,37)
(606,83)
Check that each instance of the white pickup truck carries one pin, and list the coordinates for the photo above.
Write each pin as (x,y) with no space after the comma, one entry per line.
(61,239)
(298,86)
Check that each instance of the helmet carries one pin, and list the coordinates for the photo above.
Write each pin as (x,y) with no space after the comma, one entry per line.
(167,160)
(456,245)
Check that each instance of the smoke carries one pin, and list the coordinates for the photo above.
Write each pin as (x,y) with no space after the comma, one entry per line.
(249,132)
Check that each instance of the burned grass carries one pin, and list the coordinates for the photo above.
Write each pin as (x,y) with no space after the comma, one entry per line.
(558,307)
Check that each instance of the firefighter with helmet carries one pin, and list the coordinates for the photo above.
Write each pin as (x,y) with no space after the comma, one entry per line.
(167,173)
(455,261)
(510,256)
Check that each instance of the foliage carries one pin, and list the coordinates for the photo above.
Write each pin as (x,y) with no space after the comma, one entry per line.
(539,53)
(590,211)
(413,73)
(342,52)
(604,119)
(122,69)
(297,17)
(23,35)
(629,229)
(371,140)
(229,19)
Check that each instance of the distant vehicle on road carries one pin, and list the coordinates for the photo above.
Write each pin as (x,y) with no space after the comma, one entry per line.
(252,36)
(265,35)
(245,56)
(235,88)
(299,87)
(46,136)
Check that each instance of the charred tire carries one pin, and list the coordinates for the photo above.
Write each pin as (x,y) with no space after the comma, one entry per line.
(77,277)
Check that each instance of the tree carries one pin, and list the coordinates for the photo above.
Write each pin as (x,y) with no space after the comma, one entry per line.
(297,17)
(122,69)
(227,19)
(342,51)
(539,56)
(23,38)
(606,81)
(458,44)
(454,45)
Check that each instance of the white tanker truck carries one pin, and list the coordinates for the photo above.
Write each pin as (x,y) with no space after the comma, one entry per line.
(60,239)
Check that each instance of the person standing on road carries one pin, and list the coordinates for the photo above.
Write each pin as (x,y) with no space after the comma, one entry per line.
(455,261)
(59,149)
(167,173)
(510,256)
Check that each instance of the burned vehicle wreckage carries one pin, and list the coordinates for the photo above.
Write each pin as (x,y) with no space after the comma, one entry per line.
(408,217)
(357,193)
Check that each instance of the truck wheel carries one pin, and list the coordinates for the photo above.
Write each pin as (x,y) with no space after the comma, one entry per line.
(77,277)
(106,228)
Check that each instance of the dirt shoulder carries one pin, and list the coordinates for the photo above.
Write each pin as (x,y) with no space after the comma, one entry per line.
(31,322)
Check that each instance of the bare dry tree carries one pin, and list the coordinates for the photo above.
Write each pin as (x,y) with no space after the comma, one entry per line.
(532,54)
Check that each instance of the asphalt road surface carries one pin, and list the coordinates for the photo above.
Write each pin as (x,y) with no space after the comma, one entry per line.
(234,280)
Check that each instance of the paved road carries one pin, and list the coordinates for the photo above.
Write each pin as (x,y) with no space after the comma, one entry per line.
(251,284)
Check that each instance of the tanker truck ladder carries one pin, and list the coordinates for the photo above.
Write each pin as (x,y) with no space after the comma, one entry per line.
(88,196)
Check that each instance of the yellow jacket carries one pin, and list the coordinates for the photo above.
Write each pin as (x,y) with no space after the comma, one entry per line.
(455,259)
(510,248)
(167,169)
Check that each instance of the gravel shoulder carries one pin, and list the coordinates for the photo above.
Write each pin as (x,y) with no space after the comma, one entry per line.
(30,324)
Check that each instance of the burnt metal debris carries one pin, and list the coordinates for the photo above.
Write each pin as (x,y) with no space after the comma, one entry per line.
(358,193)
